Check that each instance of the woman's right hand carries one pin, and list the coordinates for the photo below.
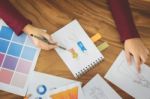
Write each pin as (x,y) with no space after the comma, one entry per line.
(30,29)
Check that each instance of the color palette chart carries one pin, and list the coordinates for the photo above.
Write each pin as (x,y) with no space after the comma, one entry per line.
(18,58)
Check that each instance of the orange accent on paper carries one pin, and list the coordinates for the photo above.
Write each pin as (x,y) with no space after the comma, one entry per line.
(68,94)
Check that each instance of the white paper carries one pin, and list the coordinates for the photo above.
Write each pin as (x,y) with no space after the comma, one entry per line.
(71,36)
(127,78)
(97,88)
(51,82)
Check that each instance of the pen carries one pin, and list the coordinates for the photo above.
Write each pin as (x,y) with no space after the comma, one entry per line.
(46,41)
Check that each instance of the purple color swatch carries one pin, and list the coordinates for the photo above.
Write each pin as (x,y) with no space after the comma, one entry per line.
(10,62)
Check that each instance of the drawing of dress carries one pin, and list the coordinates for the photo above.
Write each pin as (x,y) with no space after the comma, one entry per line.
(97,93)
(130,72)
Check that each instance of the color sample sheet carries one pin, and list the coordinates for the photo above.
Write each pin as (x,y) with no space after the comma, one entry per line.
(43,85)
(18,57)
(70,91)
(81,54)
(67,94)
(127,78)
(97,88)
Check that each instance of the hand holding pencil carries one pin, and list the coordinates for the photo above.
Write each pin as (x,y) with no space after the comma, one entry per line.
(46,41)
(43,38)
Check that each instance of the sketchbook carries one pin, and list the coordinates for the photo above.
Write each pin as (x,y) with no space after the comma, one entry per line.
(97,88)
(81,54)
(128,79)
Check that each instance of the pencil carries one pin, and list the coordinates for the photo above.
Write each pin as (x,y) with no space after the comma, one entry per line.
(27,96)
(46,41)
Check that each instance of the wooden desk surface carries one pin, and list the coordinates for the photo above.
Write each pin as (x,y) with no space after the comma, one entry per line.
(94,16)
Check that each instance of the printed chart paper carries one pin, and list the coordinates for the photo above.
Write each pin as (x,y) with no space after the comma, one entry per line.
(43,85)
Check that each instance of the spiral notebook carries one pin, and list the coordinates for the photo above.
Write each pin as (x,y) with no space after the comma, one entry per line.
(81,54)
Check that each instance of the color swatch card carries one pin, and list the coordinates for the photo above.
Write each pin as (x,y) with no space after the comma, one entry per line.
(43,85)
(18,57)
(128,79)
(70,91)
(97,88)
(81,54)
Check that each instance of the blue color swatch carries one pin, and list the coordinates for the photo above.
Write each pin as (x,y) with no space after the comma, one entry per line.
(28,53)
(15,49)
(29,42)
(19,39)
(6,33)
(3,46)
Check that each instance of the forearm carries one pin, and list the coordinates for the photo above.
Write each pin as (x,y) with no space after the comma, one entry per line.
(122,15)
(12,17)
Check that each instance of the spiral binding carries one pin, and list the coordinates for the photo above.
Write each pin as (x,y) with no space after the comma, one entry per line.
(89,67)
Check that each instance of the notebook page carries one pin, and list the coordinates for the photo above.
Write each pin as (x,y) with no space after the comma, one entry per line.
(97,88)
(81,51)
(127,78)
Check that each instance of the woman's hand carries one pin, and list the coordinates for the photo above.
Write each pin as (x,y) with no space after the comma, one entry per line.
(30,29)
(136,48)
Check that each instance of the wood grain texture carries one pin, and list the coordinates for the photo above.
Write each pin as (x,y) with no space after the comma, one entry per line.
(94,16)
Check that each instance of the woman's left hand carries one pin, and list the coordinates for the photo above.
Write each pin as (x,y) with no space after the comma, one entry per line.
(136,48)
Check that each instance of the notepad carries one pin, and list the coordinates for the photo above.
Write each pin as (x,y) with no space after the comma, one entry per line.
(97,88)
(18,57)
(81,54)
(44,86)
(128,79)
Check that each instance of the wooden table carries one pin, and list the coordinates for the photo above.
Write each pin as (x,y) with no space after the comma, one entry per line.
(94,16)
